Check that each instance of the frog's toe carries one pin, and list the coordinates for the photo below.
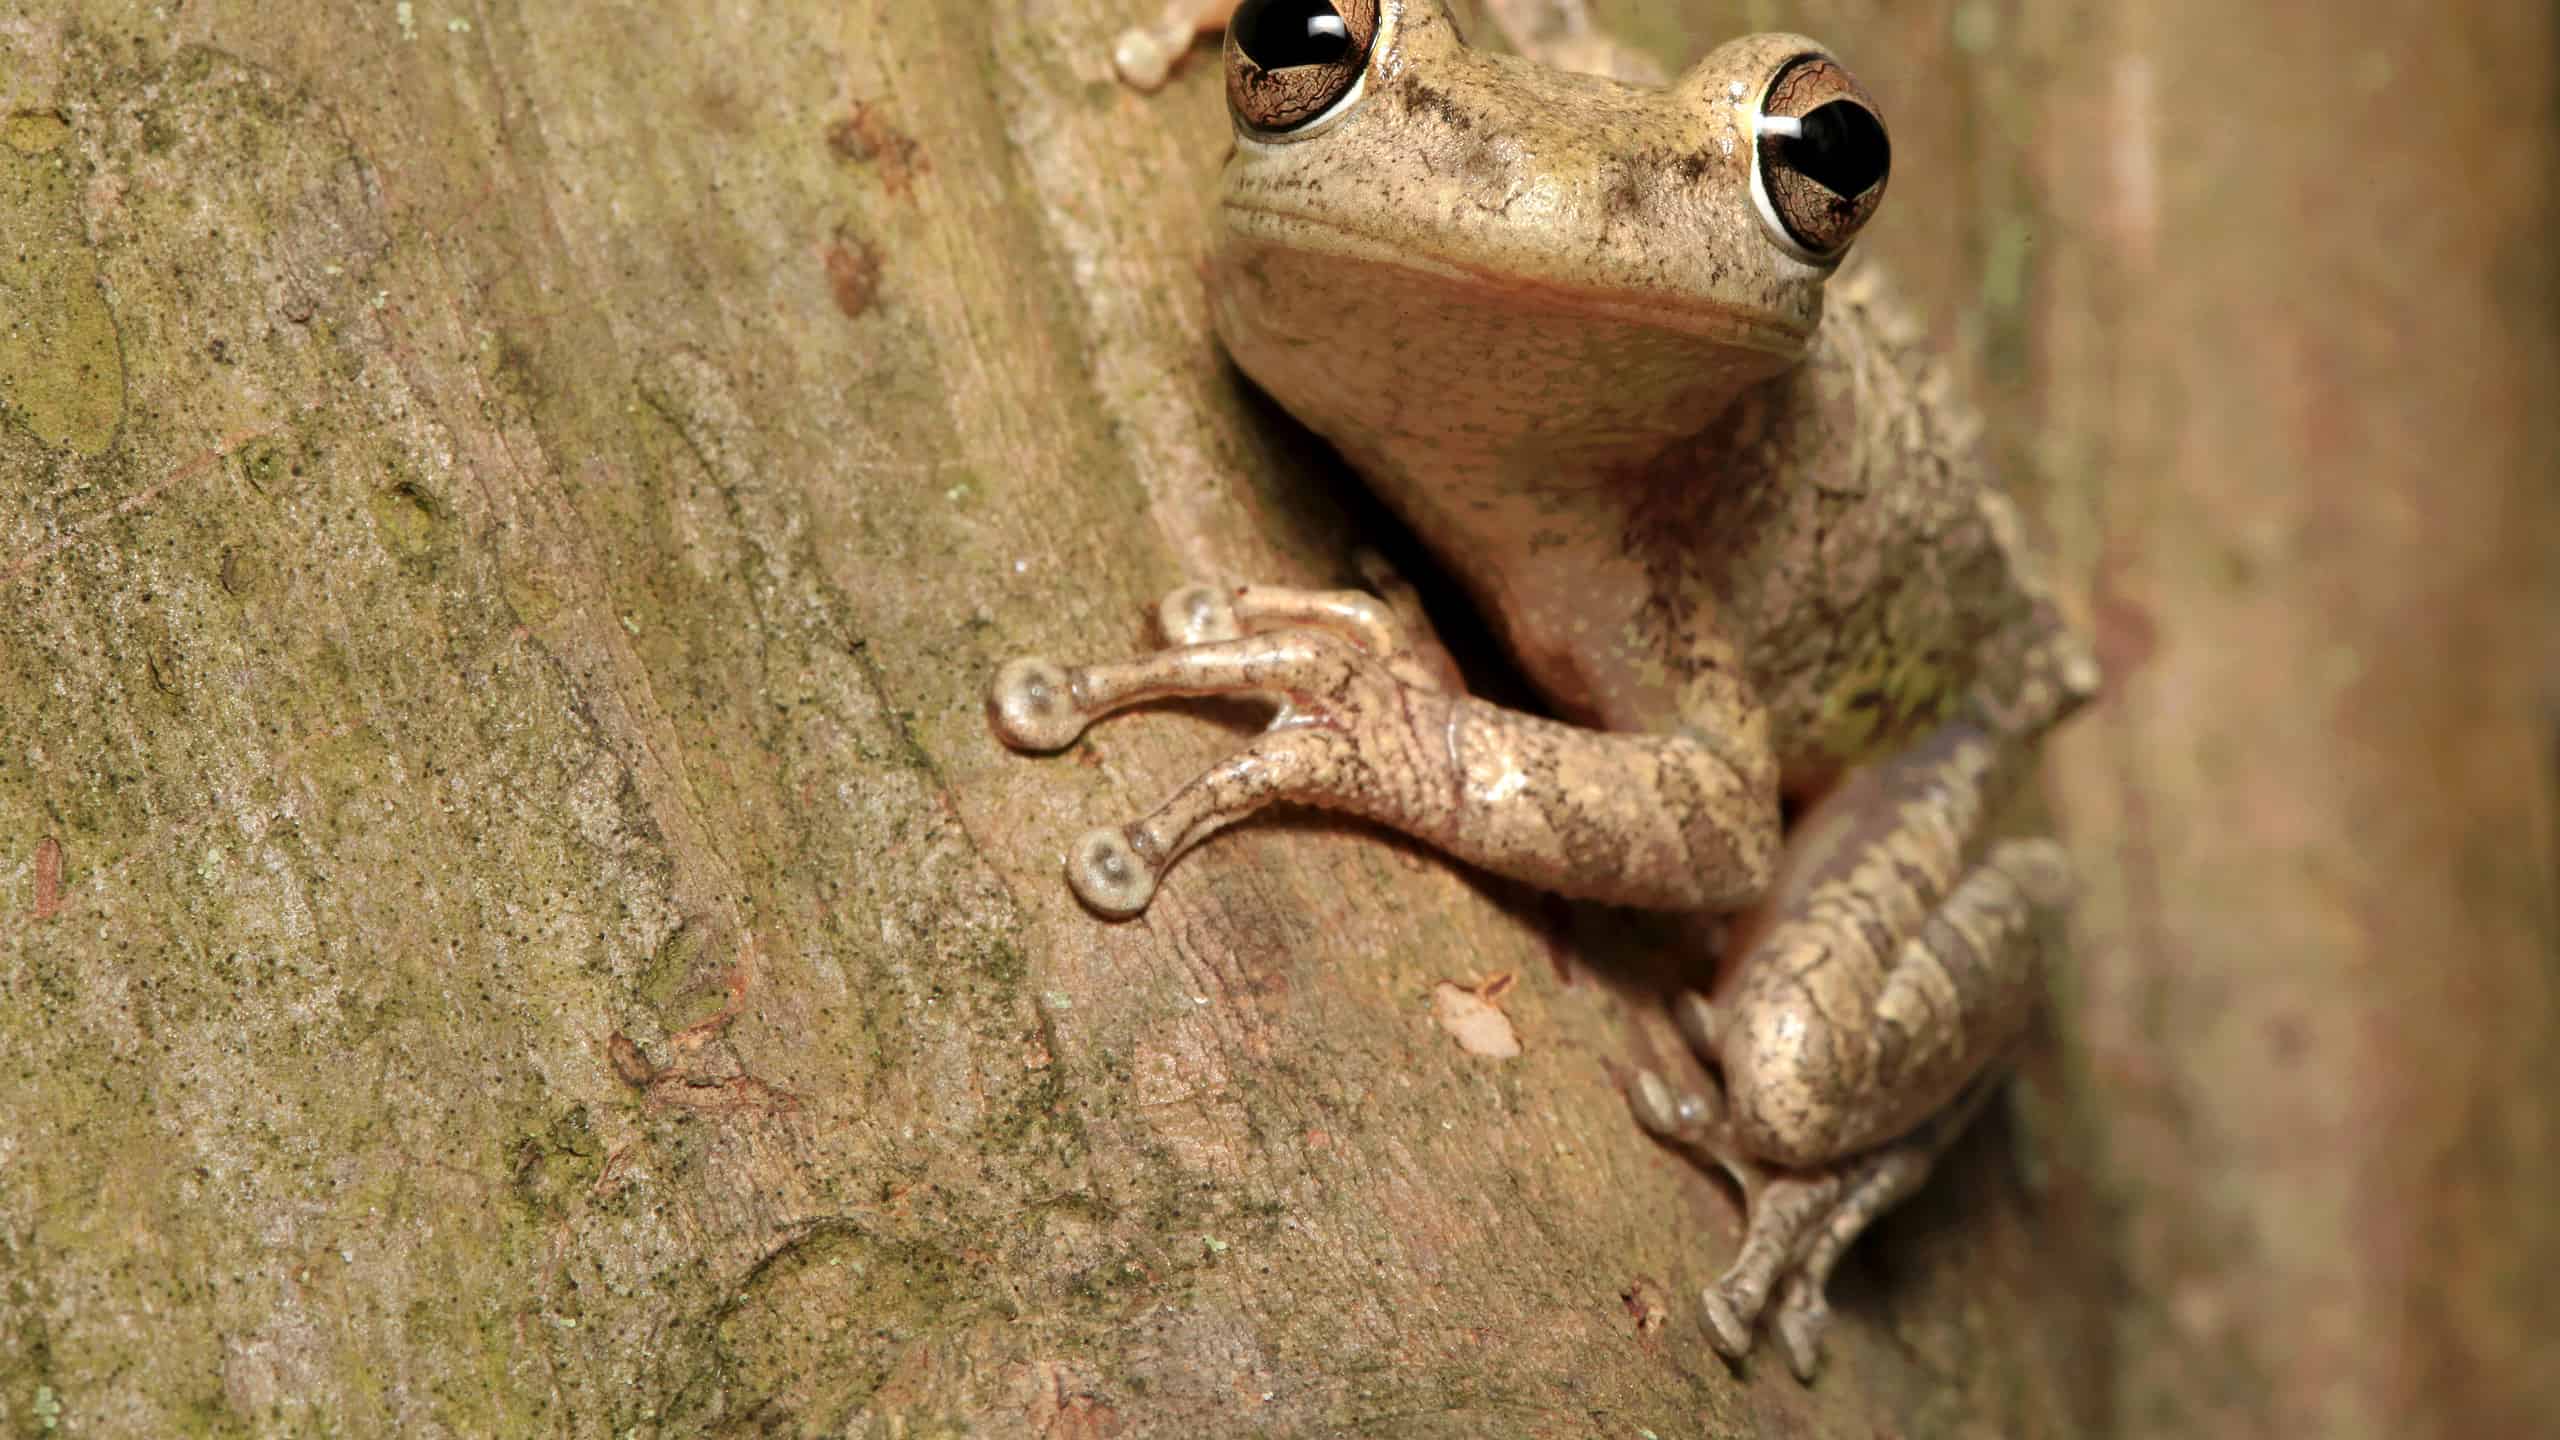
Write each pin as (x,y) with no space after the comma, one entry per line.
(1144,57)
(1669,1113)
(1801,1321)
(1698,1022)
(1031,704)
(1109,874)
(1198,614)
(1728,1328)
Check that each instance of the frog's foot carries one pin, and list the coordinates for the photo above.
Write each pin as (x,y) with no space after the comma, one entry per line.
(1879,1182)
(1039,706)
(1351,733)
(1781,1209)
(1145,54)
(1799,1223)
(1887,980)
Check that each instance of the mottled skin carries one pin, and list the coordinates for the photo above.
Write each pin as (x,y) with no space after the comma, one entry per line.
(1740,539)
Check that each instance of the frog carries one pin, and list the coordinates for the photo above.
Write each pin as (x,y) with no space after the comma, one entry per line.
(1597,339)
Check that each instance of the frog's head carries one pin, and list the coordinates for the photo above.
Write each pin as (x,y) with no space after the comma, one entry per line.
(1401,208)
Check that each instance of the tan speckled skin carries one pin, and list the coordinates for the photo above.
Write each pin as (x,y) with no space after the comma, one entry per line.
(1742,546)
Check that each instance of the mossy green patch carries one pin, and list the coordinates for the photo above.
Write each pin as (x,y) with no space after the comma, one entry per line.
(34,132)
(1001,962)
(270,464)
(410,520)
(553,1171)
(61,360)
(677,984)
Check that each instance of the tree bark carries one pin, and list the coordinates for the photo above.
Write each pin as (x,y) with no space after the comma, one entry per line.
(511,919)
(2301,281)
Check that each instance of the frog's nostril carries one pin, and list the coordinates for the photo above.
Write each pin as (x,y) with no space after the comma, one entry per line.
(1842,147)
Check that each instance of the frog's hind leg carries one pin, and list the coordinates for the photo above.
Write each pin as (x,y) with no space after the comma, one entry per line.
(1799,1222)
(1889,981)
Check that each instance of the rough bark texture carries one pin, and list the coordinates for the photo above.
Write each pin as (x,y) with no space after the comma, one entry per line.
(511,920)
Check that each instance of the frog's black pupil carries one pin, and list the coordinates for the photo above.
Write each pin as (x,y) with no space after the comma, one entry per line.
(1278,34)
(1843,148)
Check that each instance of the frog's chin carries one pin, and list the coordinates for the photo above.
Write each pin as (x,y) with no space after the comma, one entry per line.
(1259,228)
(1408,354)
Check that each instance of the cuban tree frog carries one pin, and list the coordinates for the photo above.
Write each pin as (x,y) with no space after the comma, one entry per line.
(1737,533)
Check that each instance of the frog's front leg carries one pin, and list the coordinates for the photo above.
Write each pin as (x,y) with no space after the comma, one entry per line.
(1663,821)
(1887,975)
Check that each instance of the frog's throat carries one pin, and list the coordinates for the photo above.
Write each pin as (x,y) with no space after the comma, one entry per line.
(1262,224)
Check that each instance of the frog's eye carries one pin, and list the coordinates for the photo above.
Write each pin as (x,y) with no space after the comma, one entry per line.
(1822,159)
(1288,61)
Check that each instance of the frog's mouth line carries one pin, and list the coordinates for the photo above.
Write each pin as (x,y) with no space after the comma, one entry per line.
(1650,310)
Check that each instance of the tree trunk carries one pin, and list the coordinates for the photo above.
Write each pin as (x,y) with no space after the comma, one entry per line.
(511,919)
(2298,306)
